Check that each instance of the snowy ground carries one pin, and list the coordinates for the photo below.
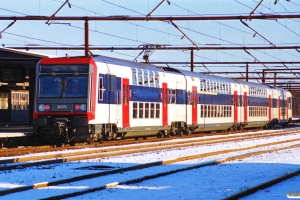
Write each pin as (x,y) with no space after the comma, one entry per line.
(212,182)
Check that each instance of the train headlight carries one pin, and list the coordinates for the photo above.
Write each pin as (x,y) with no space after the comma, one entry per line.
(44,107)
(80,107)
(83,107)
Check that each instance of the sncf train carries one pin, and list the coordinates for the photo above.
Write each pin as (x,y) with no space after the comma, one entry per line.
(91,99)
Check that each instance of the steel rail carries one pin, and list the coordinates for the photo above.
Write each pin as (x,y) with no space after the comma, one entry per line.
(170,161)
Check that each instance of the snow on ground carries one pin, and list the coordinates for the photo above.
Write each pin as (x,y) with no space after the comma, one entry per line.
(212,182)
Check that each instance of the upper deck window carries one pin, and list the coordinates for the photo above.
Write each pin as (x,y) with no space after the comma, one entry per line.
(156,79)
(151,78)
(146,78)
(133,76)
(140,77)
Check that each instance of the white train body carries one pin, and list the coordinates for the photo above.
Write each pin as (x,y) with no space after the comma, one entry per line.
(129,99)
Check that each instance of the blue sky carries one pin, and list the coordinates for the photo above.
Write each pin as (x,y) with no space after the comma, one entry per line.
(134,33)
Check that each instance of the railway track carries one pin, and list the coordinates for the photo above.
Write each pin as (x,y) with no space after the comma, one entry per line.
(84,154)
(23,150)
(154,164)
(263,185)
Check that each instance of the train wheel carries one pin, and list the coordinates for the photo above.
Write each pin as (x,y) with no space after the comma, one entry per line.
(188,132)
(159,134)
(145,138)
(72,143)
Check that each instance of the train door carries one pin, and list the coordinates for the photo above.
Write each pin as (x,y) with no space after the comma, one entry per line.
(245,107)
(164,104)
(235,106)
(117,94)
(194,105)
(269,107)
(286,108)
(278,107)
(125,102)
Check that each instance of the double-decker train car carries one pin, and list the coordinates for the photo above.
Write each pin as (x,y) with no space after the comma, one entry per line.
(90,99)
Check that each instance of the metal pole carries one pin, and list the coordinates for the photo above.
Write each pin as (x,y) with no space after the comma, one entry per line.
(192,60)
(247,72)
(86,38)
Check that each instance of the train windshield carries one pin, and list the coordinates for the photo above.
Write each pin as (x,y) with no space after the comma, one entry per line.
(63,86)
(63,81)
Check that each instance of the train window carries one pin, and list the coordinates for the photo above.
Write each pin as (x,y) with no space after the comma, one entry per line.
(134,77)
(228,111)
(156,79)
(212,111)
(157,110)
(146,78)
(140,77)
(141,110)
(172,96)
(195,97)
(189,97)
(134,110)
(208,110)
(218,87)
(152,110)
(147,110)
(101,89)
(201,111)
(151,79)
(3,100)
(216,111)
(221,111)
(126,95)
(215,86)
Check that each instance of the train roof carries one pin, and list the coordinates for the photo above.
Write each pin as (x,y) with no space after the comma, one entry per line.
(206,76)
(253,84)
(126,63)
(116,61)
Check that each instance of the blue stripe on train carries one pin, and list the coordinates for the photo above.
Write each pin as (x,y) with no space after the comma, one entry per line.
(112,95)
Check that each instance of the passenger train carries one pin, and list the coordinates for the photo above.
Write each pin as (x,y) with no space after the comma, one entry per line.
(102,98)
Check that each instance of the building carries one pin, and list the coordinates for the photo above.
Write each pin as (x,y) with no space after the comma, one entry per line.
(17,77)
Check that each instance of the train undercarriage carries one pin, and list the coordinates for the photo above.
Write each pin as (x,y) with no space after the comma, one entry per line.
(76,129)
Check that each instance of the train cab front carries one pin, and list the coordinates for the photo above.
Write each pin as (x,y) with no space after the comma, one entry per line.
(62,99)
